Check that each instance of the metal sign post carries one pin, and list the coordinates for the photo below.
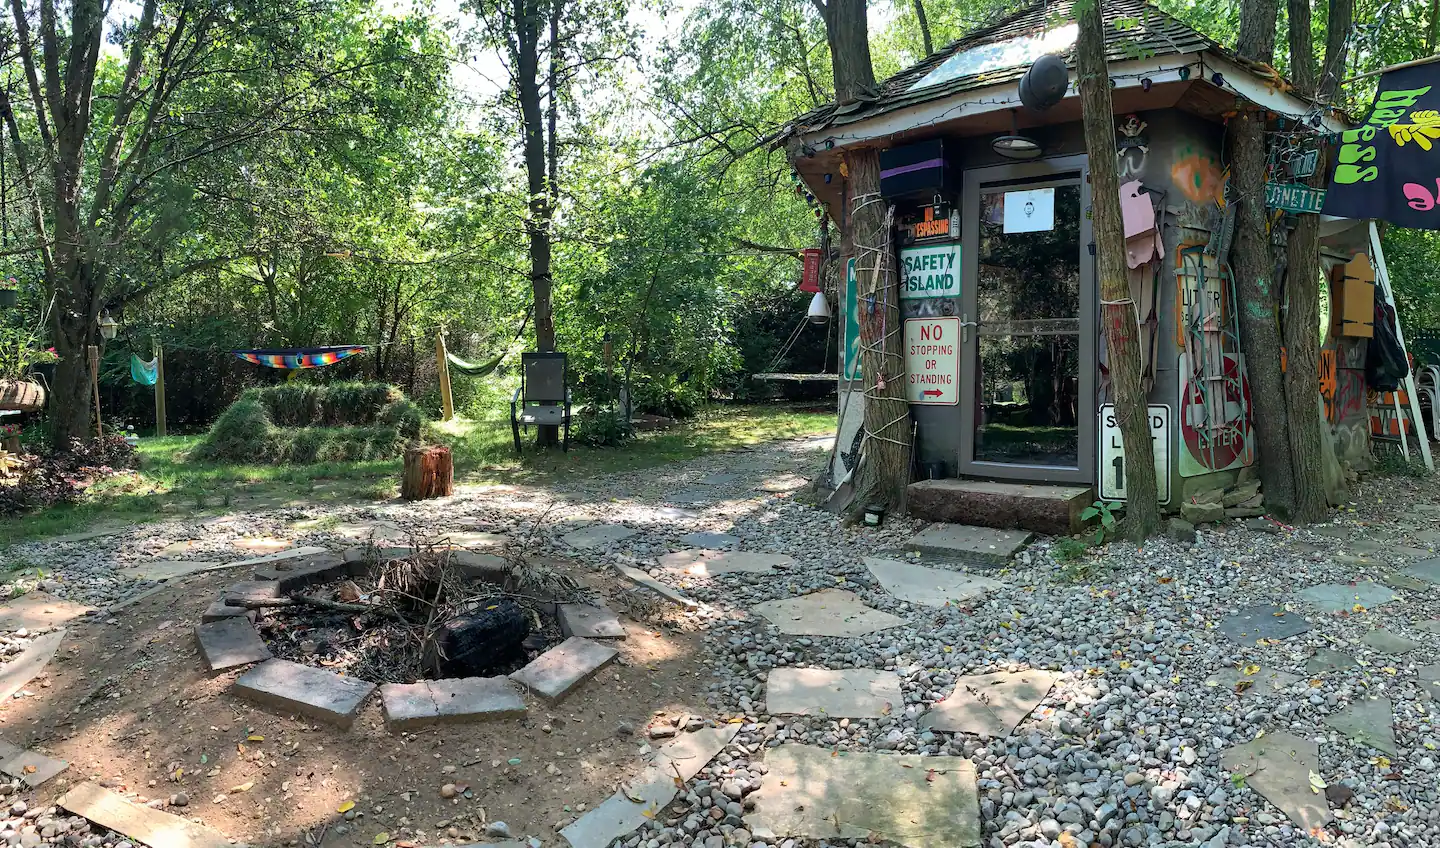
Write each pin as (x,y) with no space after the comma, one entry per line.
(1383,278)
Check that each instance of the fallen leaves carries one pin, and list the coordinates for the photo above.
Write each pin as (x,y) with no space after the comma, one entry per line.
(345,807)
(1317,783)
(380,838)
(244,787)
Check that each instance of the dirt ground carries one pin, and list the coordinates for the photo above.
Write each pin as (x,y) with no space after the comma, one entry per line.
(126,701)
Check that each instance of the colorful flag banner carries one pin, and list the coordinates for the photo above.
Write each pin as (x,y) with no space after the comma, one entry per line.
(300,357)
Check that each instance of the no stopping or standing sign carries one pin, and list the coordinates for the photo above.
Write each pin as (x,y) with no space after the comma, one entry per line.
(932,360)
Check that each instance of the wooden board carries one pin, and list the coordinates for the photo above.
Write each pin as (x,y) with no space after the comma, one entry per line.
(142,824)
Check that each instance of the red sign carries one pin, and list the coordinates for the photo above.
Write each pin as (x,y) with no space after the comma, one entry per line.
(810,277)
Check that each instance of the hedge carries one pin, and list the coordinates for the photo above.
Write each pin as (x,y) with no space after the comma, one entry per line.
(307,423)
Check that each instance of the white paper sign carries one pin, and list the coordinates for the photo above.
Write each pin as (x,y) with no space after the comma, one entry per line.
(932,360)
(1030,211)
(930,271)
(1112,452)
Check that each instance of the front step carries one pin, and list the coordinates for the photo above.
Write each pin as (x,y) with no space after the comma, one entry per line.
(1030,506)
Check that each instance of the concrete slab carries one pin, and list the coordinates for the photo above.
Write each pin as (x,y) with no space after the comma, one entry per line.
(1429,677)
(1367,722)
(691,496)
(1333,598)
(1430,538)
(20,670)
(990,704)
(309,691)
(263,544)
(141,824)
(370,530)
(279,556)
(165,569)
(985,544)
(598,536)
(640,578)
(250,591)
(641,801)
(931,587)
(1278,766)
(100,532)
(1260,681)
(219,611)
(1426,569)
(718,479)
(37,610)
(1324,659)
(33,767)
(449,701)
(828,612)
(783,483)
(557,672)
(473,539)
(710,539)
(917,802)
(850,693)
(1265,621)
(589,622)
(1385,642)
(229,643)
(301,572)
(706,563)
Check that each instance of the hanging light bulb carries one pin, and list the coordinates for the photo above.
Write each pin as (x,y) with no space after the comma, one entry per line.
(819,311)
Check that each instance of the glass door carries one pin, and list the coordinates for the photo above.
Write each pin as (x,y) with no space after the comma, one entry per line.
(1028,353)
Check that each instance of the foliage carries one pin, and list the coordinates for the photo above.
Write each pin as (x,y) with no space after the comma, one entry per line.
(1068,550)
(1105,511)
(302,424)
(61,476)
(1392,462)
(19,352)
(602,428)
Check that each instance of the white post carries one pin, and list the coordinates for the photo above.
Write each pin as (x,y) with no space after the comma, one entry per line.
(1383,278)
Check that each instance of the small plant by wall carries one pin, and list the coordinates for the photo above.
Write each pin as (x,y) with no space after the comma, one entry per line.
(301,424)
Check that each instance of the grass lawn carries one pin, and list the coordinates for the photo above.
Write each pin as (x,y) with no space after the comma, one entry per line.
(167,485)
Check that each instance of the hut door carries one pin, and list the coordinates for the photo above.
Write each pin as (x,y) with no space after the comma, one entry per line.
(1028,341)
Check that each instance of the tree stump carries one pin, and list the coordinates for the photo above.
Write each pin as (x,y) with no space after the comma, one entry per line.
(429,473)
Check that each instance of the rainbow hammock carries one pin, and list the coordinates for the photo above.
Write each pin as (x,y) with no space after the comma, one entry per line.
(299,357)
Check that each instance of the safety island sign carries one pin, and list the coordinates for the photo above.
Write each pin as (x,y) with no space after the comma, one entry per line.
(932,360)
(930,271)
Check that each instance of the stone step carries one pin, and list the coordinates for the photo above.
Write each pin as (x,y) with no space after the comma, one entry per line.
(1027,506)
(305,690)
(985,545)
(555,673)
(230,642)
(452,701)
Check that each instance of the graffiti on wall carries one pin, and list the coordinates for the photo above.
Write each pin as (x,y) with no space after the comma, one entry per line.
(1343,390)
(1197,175)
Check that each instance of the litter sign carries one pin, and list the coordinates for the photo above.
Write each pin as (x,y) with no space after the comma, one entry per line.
(1112,452)
(932,360)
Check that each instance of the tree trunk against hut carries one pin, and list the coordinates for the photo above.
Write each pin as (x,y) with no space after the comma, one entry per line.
(924,22)
(429,473)
(1308,443)
(884,471)
(1252,267)
(1117,312)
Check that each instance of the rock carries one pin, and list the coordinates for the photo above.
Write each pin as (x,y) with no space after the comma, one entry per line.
(1241,493)
(179,799)
(1202,513)
(1181,530)
(448,791)
(1207,497)
(497,830)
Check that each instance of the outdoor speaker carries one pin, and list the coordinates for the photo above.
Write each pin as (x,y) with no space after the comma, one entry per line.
(1044,83)
(915,169)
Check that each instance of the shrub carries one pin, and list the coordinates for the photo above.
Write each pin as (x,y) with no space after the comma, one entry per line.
(303,424)
(600,428)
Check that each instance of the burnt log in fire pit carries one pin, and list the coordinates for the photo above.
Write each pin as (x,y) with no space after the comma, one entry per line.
(475,642)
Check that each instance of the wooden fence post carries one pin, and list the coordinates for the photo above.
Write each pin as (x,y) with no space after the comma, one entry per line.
(447,401)
(159,389)
(94,353)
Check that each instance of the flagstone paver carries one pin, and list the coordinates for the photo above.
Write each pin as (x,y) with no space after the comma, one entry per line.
(230,642)
(1325,659)
(1388,643)
(22,668)
(640,578)
(1430,625)
(598,536)
(1428,537)
(1278,766)
(691,497)
(1427,570)
(707,563)
(263,544)
(279,556)
(219,610)
(1368,722)
(453,700)
(1337,532)
(1343,597)
(849,693)
(556,673)
(783,483)
(1429,677)
(828,612)
(1406,583)
(39,611)
(1262,622)
(990,704)
(917,802)
(963,541)
(931,587)
(164,569)
(718,479)
(709,539)
(1260,681)
(142,824)
(589,621)
(33,767)
(310,691)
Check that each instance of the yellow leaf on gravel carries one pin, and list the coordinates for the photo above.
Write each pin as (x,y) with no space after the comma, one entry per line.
(345,807)
(244,787)
(1250,670)
(380,838)
(1316,783)
(255,737)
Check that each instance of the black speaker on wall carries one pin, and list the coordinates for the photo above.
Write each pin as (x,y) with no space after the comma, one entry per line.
(919,169)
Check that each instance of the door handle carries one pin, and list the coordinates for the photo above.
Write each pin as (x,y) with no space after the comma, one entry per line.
(965,325)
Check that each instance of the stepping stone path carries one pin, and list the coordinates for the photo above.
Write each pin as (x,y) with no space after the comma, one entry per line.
(1252,624)
(1428,626)
(828,612)
(640,578)
(852,693)
(931,587)
(1405,583)
(22,668)
(718,479)
(279,556)
(310,691)
(1428,537)
(1266,681)
(676,514)
(142,824)
(691,497)
(705,563)
(1334,598)
(918,802)
(1324,659)
(162,570)
(1427,570)
(1429,677)
(1367,722)
(265,545)
(471,539)
(983,544)
(1278,766)
(598,536)
(589,622)
(409,706)
(230,642)
(990,704)
(783,483)
(39,611)
(30,766)
(1388,643)
(709,539)
(642,800)
(377,530)
(558,671)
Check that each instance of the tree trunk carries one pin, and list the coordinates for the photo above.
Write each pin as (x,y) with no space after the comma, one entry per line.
(924,27)
(1434,26)
(1118,315)
(429,473)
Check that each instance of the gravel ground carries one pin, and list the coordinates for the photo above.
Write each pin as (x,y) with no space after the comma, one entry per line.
(1125,750)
